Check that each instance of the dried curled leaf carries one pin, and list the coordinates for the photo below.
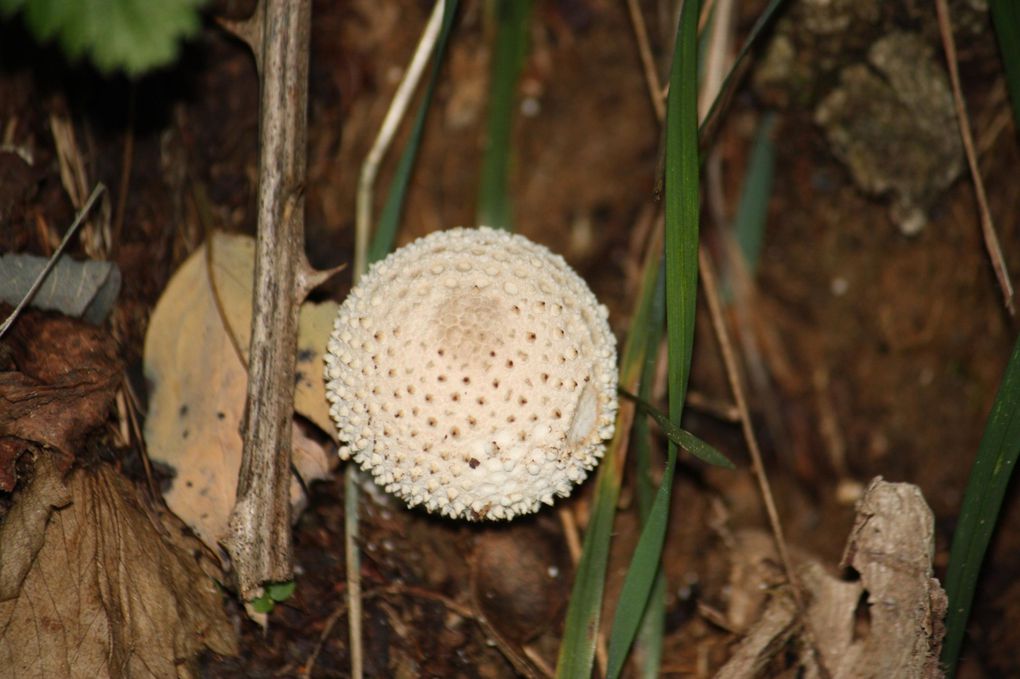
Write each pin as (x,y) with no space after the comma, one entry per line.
(199,384)
(110,593)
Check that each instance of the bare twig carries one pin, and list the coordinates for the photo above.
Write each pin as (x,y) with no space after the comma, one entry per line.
(259,540)
(737,387)
(637,21)
(133,407)
(570,533)
(78,220)
(396,112)
(717,55)
(987,226)
(352,559)
(248,31)
(717,408)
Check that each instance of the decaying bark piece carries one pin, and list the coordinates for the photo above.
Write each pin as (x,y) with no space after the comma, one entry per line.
(768,636)
(260,541)
(891,546)
(886,623)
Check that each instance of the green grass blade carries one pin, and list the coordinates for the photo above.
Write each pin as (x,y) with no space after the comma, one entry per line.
(389,219)
(577,650)
(1006,19)
(507,59)
(653,623)
(578,647)
(641,575)
(682,207)
(642,436)
(752,212)
(580,633)
(989,478)
(680,437)
(682,196)
(652,630)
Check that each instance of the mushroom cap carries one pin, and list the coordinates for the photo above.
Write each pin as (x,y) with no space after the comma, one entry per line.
(473,372)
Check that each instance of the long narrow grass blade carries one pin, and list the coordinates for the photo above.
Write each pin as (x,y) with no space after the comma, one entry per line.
(508,56)
(1006,19)
(680,437)
(389,218)
(653,623)
(989,478)
(682,198)
(682,208)
(580,634)
(752,211)
(581,627)
(578,647)
(642,437)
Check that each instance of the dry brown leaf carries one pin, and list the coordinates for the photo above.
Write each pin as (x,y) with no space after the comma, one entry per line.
(109,594)
(22,532)
(65,378)
(198,390)
(233,270)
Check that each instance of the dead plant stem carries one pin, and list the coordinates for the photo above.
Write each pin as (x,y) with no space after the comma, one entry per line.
(987,226)
(395,113)
(711,288)
(637,21)
(37,283)
(259,539)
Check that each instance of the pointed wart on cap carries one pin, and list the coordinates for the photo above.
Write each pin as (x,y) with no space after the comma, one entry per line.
(473,372)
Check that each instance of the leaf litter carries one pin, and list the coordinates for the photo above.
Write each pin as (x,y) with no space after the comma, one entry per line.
(107,590)
(60,379)
(91,576)
(195,361)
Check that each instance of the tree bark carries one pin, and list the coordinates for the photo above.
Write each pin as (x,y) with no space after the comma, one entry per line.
(260,530)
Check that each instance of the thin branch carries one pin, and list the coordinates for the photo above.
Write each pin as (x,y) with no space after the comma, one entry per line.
(637,21)
(987,226)
(78,221)
(737,387)
(249,31)
(396,112)
(259,539)
(352,559)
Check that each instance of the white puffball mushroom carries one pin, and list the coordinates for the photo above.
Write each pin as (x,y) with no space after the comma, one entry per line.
(473,372)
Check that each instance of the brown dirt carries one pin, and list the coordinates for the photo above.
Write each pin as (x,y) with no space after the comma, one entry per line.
(898,371)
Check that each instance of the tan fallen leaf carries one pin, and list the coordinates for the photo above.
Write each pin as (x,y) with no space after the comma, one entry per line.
(198,384)
(233,269)
(107,590)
